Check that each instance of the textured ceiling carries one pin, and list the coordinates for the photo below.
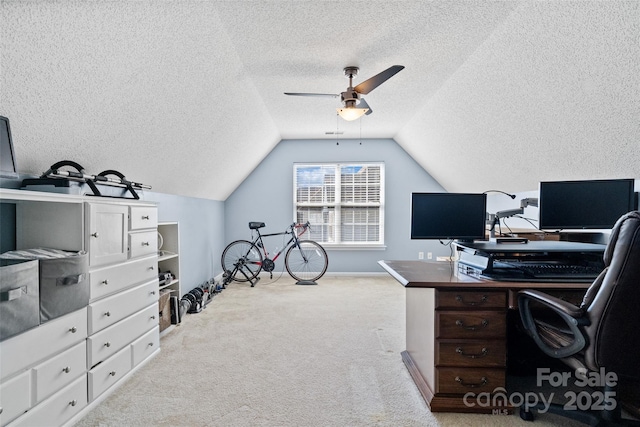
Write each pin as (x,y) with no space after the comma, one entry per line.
(187,96)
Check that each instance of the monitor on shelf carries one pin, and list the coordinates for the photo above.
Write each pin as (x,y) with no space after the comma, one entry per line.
(592,204)
(7,155)
(460,216)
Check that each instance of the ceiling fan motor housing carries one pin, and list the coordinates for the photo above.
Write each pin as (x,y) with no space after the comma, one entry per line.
(349,97)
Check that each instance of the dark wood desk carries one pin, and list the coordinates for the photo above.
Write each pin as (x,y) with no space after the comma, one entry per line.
(457,330)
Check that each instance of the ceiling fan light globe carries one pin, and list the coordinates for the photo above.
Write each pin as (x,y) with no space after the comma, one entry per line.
(350,114)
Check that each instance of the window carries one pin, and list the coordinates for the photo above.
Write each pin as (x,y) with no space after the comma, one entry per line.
(344,202)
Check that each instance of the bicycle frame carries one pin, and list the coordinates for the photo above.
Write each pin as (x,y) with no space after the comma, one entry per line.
(294,238)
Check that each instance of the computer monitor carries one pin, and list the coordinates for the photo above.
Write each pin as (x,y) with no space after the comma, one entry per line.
(460,216)
(592,204)
(7,155)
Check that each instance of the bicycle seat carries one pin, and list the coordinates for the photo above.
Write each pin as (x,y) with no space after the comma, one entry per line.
(256,225)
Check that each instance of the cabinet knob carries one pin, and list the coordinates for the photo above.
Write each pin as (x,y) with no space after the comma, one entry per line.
(73,402)
(107,344)
(95,234)
(66,370)
(145,216)
(105,282)
(153,292)
(112,373)
(145,243)
(73,329)
(153,317)
(108,314)
(150,344)
(151,268)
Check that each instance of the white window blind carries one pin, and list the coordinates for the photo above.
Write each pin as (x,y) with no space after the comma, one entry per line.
(343,202)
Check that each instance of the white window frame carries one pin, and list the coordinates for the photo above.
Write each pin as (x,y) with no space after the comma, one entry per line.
(337,205)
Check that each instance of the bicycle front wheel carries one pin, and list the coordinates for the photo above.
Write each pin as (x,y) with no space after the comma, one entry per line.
(242,260)
(308,262)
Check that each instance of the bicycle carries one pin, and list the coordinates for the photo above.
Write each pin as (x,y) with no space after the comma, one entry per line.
(305,260)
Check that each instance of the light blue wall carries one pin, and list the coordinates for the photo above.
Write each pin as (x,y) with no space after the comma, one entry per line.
(201,226)
(267,195)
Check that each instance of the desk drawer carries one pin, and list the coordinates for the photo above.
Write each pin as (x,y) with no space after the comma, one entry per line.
(471,353)
(143,217)
(106,281)
(108,341)
(143,243)
(111,310)
(15,397)
(59,408)
(467,300)
(471,324)
(108,373)
(463,380)
(59,371)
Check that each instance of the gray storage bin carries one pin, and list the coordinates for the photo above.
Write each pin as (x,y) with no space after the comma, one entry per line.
(63,277)
(19,297)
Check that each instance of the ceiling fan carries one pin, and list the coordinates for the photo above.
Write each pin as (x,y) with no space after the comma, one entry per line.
(354,105)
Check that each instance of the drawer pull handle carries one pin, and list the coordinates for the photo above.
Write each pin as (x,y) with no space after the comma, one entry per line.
(105,282)
(107,344)
(483,324)
(145,216)
(145,243)
(462,301)
(108,314)
(483,381)
(73,402)
(482,353)
(112,373)
(66,370)
(73,329)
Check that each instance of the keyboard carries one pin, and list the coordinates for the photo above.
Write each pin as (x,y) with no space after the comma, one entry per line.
(552,270)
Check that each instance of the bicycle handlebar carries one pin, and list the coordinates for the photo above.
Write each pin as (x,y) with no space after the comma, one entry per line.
(304,226)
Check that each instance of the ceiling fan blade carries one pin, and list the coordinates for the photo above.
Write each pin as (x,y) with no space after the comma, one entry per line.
(368,85)
(332,95)
(363,104)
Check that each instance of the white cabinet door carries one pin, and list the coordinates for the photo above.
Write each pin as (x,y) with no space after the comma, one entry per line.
(107,227)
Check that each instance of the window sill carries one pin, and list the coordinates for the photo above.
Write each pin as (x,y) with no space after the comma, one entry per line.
(355,247)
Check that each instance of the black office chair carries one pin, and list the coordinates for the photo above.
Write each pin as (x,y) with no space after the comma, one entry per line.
(603,332)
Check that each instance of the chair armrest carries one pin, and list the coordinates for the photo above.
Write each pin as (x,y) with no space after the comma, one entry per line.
(554,303)
(572,315)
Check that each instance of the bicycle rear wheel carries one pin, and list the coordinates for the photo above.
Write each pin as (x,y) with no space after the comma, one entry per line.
(242,260)
(308,263)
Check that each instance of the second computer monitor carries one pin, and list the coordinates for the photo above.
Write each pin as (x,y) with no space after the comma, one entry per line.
(592,204)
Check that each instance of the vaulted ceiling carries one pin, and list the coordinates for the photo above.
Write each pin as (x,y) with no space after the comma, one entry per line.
(187,95)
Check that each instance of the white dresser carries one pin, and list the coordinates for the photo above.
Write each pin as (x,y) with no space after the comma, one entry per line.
(50,374)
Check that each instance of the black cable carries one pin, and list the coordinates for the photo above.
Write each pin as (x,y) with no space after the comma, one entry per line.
(513,196)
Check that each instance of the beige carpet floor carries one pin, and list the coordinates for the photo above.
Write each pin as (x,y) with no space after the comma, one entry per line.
(281,354)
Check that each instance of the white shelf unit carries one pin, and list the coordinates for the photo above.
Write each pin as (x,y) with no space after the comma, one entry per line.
(169,255)
(99,345)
